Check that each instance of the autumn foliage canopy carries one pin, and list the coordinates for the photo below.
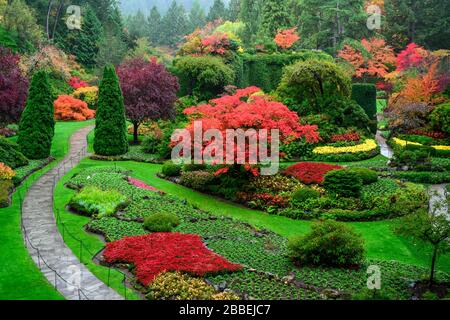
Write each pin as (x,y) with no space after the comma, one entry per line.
(68,108)
(285,39)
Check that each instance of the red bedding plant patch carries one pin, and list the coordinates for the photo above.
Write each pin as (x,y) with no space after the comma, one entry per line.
(155,253)
(142,185)
(309,172)
(346,137)
(431,134)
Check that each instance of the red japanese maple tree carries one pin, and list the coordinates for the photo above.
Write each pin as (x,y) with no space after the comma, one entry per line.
(310,172)
(375,61)
(285,39)
(411,57)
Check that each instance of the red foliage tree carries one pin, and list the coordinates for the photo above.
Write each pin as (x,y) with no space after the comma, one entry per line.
(376,60)
(13,87)
(249,109)
(68,108)
(149,91)
(161,252)
(285,39)
(411,57)
(77,83)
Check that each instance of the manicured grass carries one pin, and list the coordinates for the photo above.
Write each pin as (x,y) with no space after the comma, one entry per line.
(381,241)
(20,279)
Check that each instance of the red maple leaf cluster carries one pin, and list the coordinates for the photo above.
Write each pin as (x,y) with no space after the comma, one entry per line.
(217,43)
(155,253)
(68,108)
(411,57)
(346,137)
(310,172)
(77,83)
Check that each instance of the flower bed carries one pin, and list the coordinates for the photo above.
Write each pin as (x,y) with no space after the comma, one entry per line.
(441,151)
(94,201)
(346,137)
(310,172)
(141,185)
(366,150)
(162,252)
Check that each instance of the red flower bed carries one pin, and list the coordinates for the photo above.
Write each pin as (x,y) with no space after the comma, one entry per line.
(346,137)
(264,200)
(155,253)
(310,173)
(431,134)
(142,185)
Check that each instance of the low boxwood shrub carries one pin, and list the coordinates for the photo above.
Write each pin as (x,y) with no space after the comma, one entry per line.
(343,183)
(367,176)
(304,194)
(170,169)
(94,201)
(197,180)
(161,222)
(329,243)
(423,177)
(10,154)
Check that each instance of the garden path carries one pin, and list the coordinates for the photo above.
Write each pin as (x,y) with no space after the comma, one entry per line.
(73,280)
(386,150)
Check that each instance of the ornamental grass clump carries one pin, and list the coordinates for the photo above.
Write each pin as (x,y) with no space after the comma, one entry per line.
(161,222)
(94,201)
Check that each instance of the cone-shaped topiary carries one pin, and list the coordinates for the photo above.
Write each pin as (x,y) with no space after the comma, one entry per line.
(110,125)
(37,124)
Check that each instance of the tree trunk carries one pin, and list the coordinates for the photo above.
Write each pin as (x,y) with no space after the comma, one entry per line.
(50,4)
(135,133)
(433,265)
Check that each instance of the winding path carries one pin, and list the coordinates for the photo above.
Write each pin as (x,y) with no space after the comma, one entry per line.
(72,279)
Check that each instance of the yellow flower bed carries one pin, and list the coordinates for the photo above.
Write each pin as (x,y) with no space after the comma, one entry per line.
(367,146)
(404,143)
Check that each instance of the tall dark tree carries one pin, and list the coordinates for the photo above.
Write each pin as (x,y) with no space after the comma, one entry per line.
(84,43)
(137,25)
(110,124)
(217,11)
(13,87)
(174,24)
(149,91)
(250,15)
(274,16)
(37,123)
(196,16)
(234,9)
(154,26)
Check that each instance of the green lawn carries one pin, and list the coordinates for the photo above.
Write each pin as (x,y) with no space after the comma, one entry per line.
(20,279)
(381,242)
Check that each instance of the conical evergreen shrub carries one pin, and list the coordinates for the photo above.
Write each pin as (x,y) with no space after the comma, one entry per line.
(110,125)
(37,123)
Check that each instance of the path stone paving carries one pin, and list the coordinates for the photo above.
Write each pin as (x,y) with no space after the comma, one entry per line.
(74,281)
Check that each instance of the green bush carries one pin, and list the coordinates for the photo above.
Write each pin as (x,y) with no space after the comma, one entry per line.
(161,222)
(170,169)
(304,194)
(150,143)
(344,183)
(307,85)
(6,187)
(329,243)
(10,154)
(440,118)
(423,177)
(204,77)
(365,94)
(190,167)
(94,201)
(197,180)
(265,70)
(367,176)
(110,124)
(37,123)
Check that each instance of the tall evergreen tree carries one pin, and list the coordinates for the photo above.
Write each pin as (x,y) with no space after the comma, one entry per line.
(110,124)
(250,15)
(234,9)
(174,24)
(196,16)
(112,50)
(84,43)
(154,26)
(37,124)
(217,11)
(274,16)
(137,25)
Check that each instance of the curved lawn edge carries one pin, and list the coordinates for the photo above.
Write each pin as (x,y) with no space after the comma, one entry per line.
(381,242)
(20,279)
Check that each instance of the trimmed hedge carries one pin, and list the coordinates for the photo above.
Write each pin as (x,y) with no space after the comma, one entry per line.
(266,70)
(422,177)
(10,154)
(347,157)
(365,94)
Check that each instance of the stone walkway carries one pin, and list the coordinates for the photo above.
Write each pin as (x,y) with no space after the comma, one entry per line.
(73,280)
(386,150)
